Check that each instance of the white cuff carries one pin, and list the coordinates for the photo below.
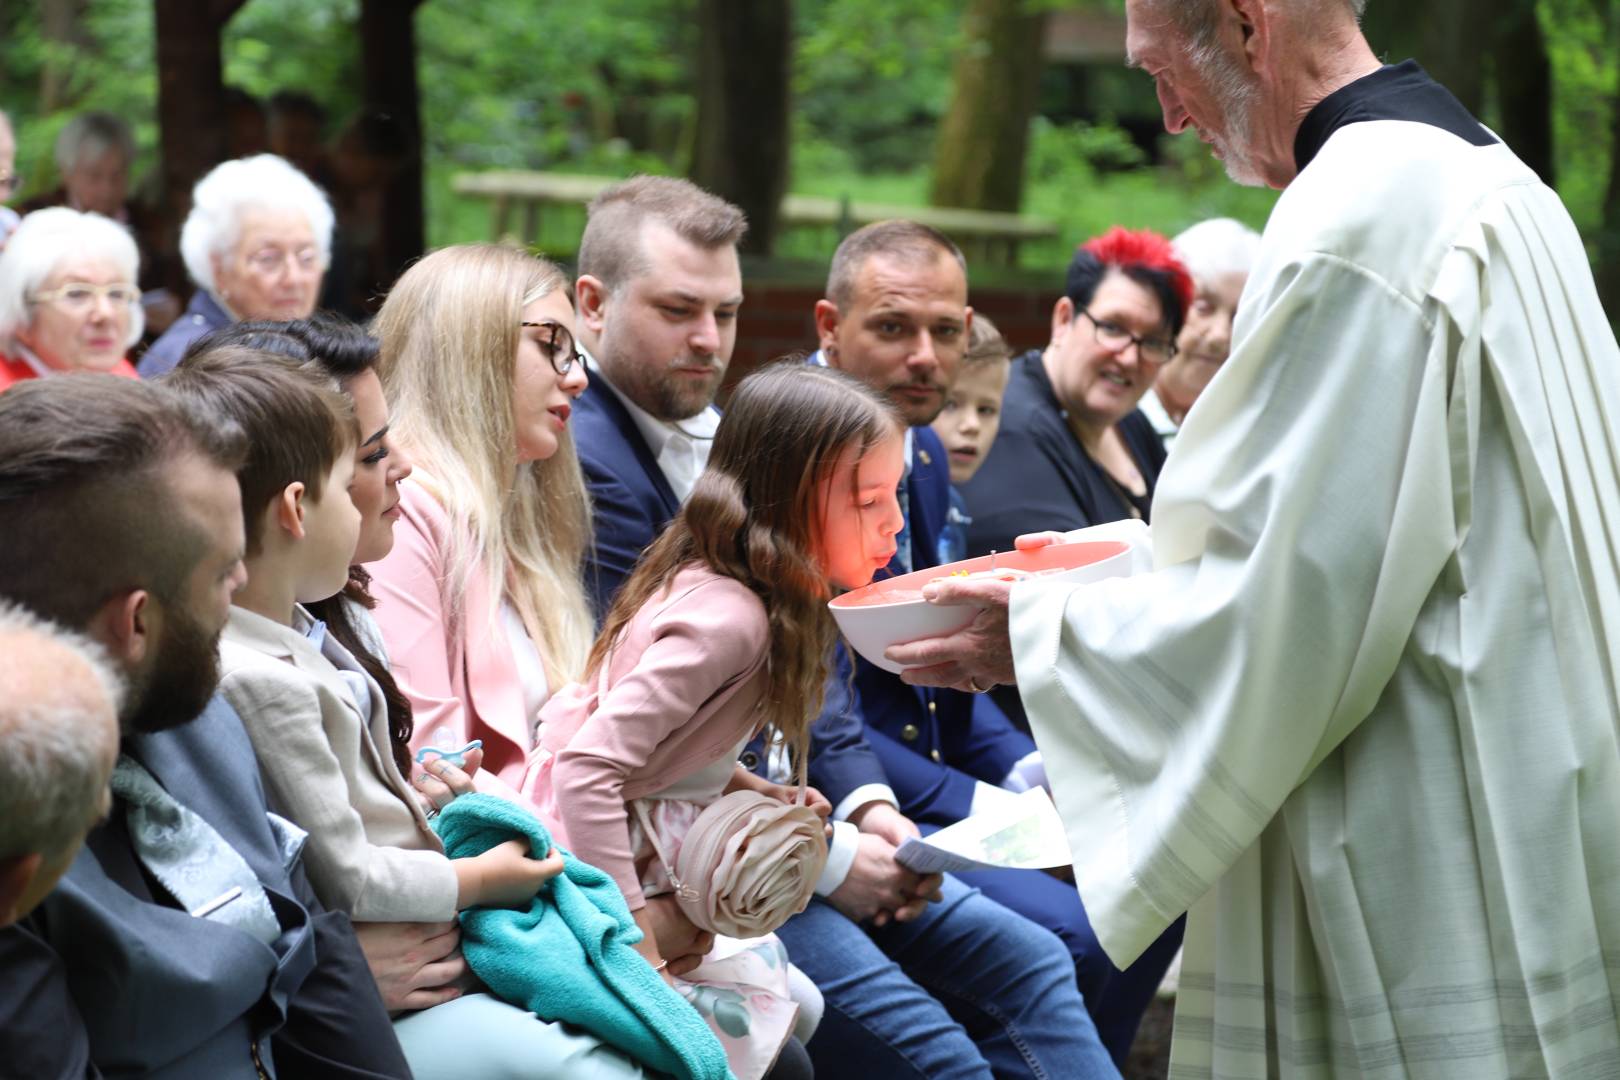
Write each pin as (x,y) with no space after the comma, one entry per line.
(861,796)
(841,850)
(986,797)
(1028,772)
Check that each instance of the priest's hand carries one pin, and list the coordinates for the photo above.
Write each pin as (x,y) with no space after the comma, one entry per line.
(974,658)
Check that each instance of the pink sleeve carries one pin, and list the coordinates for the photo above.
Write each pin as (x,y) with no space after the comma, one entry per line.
(415,626)
(701,640)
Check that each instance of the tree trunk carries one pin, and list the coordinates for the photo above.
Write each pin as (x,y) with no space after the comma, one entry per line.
(191,93)
(1524,85)
(388,46)
(745,58)
(61,24)
(979,160)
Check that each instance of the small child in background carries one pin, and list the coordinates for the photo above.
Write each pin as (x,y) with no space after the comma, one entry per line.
(723,630)
(969,422)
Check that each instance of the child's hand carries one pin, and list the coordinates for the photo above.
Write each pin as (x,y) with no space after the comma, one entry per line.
(440,782)
(742,779)
(505,875)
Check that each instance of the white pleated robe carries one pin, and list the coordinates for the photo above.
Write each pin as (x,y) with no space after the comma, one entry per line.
(1361,717)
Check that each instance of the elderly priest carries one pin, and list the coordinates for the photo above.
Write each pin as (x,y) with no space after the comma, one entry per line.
(1361,717)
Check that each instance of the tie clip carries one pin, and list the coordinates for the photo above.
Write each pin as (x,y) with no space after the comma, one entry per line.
(234,892)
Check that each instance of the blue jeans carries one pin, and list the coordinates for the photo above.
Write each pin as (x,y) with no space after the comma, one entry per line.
(1116,999)
(969,989)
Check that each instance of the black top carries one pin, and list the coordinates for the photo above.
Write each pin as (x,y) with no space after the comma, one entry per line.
(1394,92)
(1038,477)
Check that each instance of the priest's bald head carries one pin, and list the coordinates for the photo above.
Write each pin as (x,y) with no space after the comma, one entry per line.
(1244,73)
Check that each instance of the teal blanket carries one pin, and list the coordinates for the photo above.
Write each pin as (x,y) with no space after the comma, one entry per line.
(568,956)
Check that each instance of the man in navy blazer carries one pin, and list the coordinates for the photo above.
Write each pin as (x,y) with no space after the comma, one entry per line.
(896,315)
(120,518)
(658,297)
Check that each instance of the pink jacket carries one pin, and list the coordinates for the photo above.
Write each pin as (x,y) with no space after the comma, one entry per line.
(684,685)
(469,686)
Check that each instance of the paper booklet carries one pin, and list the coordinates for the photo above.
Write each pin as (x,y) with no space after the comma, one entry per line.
(1022,833)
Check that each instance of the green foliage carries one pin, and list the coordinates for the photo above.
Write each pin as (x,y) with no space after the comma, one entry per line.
(1581,45)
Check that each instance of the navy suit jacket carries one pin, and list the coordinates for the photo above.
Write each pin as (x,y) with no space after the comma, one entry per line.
(934,744)
(144,989)
(631,502)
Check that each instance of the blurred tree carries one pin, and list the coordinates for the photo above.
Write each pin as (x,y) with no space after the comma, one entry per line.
(388,51)
(67,39)
(191,91)
(979,158)
(743,134)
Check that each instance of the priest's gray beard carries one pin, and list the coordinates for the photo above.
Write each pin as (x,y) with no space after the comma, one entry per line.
(1236,95)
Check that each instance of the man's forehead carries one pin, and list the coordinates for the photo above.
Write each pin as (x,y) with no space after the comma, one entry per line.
(1145,34)
(670,263)
(886,282)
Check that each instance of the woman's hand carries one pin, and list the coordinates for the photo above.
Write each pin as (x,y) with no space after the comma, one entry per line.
(504,876)
(439,782)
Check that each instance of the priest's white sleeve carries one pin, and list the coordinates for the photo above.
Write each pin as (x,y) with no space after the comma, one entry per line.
(1296,533)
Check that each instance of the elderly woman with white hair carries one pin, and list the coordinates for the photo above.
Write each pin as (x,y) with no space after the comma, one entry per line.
(257,243)
(1218,253)
(68,298)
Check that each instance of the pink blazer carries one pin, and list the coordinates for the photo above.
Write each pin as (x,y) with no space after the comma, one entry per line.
(468,685)
(683,687)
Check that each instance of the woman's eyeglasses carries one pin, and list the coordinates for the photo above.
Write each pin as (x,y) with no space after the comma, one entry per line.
(1116,338)
(557,344)
(78,297)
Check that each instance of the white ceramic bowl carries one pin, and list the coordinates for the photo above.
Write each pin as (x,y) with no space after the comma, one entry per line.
(892,611)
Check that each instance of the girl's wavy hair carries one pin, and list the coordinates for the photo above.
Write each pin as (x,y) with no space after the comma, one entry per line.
(756,516)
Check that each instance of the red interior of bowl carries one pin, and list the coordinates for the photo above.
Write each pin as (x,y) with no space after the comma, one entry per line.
(908,587)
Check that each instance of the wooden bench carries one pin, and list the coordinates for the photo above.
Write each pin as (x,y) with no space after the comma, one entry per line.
(985,235)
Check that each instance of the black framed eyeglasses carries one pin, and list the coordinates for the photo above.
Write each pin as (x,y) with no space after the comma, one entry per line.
(558,345)
(1115,338)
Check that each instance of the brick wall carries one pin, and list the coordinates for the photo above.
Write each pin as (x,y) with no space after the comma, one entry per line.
(778,319)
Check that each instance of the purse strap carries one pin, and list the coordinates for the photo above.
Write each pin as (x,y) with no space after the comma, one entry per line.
(682,889)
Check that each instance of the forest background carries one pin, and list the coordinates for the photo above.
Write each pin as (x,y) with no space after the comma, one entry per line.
(899,101)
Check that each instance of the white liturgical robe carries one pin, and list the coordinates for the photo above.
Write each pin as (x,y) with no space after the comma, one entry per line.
(1360,718)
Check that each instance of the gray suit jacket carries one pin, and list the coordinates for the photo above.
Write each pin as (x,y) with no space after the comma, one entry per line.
(162,994)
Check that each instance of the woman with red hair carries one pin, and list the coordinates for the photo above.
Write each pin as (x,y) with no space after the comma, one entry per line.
(1073,449)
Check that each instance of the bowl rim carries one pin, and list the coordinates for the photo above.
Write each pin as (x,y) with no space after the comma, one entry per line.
(838,603)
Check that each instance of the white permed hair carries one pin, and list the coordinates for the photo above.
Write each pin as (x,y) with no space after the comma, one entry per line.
(38,246)
(264,181)
(1216,247)
(54,768)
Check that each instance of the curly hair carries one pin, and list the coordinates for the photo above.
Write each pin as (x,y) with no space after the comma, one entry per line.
(756,516)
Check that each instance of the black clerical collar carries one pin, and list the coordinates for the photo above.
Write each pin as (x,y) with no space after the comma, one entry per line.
(1394,92)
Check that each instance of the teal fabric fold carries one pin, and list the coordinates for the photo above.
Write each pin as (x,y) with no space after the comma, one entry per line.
(568,956)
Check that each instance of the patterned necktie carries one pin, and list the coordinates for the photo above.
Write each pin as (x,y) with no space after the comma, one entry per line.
(209,878)
(902,539)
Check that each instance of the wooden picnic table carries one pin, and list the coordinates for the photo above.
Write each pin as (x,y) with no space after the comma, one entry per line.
(983,234)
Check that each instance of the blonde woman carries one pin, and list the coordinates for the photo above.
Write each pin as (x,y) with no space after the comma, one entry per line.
(480,602)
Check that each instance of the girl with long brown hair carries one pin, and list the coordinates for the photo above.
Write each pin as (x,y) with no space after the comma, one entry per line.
(723,631)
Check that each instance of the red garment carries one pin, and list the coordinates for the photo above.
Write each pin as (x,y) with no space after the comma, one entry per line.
(14,369)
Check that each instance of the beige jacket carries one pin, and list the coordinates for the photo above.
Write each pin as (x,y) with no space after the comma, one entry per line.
(371,851)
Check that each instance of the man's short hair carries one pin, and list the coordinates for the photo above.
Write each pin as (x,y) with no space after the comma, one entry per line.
(86,508)
(296,419)
(908,242)
(92,134)
(611,249)
(53,770)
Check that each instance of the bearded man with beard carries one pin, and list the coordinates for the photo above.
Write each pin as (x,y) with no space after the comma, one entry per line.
(183,941)
(1360,716)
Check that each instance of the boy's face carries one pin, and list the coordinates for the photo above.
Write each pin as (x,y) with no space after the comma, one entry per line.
(331,531)
(971,417)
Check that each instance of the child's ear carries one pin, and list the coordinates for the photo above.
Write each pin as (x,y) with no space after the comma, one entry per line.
(289,510)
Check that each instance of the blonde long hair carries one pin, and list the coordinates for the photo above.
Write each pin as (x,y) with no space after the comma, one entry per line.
(756,515)
(449,332)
